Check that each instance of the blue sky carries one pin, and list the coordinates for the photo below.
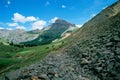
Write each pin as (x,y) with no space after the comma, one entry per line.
(36,14)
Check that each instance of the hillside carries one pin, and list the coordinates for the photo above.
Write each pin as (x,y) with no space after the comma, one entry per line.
(52,32)
(97,47)
(17,36)
(92,54)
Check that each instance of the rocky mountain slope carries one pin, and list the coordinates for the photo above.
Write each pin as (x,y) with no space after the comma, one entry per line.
(17,36)
(93,54)
(96,46)
(52,32)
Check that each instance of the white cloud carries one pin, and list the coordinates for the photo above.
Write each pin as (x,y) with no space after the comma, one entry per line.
(53,20)
(1,28)
(31,18)
(12,24)
(8,2)
(16,25)
(9,28)
(63,6)
(20,18)
(47,3)
(79,25)
(38,24)
(20,27)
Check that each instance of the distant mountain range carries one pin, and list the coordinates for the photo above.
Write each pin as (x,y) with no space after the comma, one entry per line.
(16,36)
(37,37)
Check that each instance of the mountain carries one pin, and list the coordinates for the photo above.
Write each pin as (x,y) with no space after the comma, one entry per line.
(93,53)
(96,46)
(37,31)
(16,36)
(4,33)
(52,32)
(37,37)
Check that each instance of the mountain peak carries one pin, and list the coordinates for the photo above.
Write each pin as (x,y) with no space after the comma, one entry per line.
(63,22)
(59,20)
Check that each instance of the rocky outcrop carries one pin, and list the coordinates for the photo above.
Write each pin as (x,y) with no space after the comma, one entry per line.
(97,49)
(17,36)
(53,67)
(93,54)
(98,57)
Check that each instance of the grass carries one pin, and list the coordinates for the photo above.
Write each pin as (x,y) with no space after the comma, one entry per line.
(20,57)
(12,58)
(7,54)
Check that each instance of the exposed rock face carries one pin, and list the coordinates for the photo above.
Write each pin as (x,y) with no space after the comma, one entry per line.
(99,44)
(94,54)
(17,36)
(102,58)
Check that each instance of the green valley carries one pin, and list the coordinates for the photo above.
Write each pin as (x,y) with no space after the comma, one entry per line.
(12,57)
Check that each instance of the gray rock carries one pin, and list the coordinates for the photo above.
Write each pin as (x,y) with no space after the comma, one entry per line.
(118,58)
(13,75)
(118,50)
(110,44)
(43,77)
(84,61)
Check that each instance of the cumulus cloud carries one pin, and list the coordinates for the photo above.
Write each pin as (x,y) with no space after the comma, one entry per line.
(53,20)
(12,24)
(34,22)
(16,25)
(38,24)
(47,3)
(31,18)
(20,27)
(20,18)
(79,25)
(63,6)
